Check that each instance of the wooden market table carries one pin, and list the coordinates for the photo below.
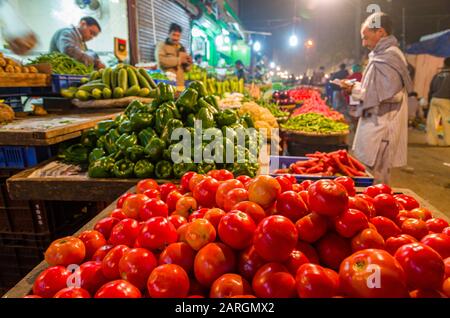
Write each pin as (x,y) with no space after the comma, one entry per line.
(49,130)
(24,287)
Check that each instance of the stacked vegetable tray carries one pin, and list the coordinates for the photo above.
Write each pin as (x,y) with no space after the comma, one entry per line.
(137,144)
(219,236)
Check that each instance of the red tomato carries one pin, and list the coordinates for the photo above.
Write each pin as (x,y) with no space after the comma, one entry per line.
(224,188)
(234,197)
(365,197)
(414,227)
(65,251)
(200,233)
(314,281)
(439,242)
(205,192)
(402,216)
(118,289)
(348,183)
(285,183)
(446,287)
(328,198)
(264,191)
(156,234)
(177,220)
(136,265)
(153,194)
(349,223)
(181,232)
(423,266)
(273,281)
(362,205)
(446,231)
(165,189)
(312,227)
(91,276)
(447,267)
(110,264)
(214,216)
(105,226)
(385,227)
(244,179)
(236,229)
(144,185)
(153,208)
(185,206)
(291,205)
(420,213)
(118,214)
(249,263)
(124,233)
(385,205)
(333,249)
(384,188)
(275,238)
(172,200)
(122,199)
(229,285)
(372,191)
(199,214)
(426,293)
(72,292)
(255,211)
(372,273)
(407,201)
(92,241)
(305,197)
(195,179)
(296,259)
(133,205)
(309,252)
(168,281)
(220,175)
(51,281)
(306,184)
(180,254)
(212,261)
(297,188)
(184,182)
(395,242)
(436,225)
(100,254)
(366,239)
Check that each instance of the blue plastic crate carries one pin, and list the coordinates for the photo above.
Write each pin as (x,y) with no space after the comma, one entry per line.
(18,157)
(165,81)
(283,162)
(60,81)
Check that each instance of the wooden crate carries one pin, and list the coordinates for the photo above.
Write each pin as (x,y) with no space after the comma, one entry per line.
(24,80)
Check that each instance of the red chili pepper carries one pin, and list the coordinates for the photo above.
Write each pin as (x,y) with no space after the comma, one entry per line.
(358,165)
(342,167)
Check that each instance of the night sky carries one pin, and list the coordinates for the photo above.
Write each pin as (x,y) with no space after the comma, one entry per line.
(333,25)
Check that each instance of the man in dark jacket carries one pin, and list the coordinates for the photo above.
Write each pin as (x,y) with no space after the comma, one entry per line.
(72,41)
(439,99)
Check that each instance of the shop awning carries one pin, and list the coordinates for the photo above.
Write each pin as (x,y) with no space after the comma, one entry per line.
(438,45)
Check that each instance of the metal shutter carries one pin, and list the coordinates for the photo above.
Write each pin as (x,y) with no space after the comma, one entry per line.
(166,12)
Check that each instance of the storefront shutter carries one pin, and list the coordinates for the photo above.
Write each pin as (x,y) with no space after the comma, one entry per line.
(165,13)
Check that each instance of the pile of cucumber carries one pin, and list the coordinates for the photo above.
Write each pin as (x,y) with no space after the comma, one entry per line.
(121,81)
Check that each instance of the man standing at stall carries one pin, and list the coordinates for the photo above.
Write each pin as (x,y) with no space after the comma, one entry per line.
(381,140)
(72,41)
(171,55)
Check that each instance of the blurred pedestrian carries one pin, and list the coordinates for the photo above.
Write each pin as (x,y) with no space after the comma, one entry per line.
(338,95)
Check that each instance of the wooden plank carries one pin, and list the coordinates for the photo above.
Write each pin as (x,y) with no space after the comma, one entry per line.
(42,137)
(24,287)
(24,80)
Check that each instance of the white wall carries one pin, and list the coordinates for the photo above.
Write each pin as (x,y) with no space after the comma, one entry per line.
(47,16)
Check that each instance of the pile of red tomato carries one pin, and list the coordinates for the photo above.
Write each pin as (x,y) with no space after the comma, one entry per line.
(219,236)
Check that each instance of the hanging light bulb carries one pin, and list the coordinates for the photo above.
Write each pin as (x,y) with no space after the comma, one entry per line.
(293,40)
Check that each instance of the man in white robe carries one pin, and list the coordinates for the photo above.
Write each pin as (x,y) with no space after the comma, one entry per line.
(381,140)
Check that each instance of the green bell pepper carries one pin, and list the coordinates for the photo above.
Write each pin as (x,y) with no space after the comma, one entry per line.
(247,121)
(101,142)
(163,115)
(123,169)
(172,124)
(96,154)
(163,170)
(174,109)
(154,149)
(179,169)
(110,141)
(104,126)
(101,168)
(125,127)
(206,117)
(213,101)
(166,93)
(125,141)
(146,135)
(120,119)
(205,167)
(141,121)
(135,153)
(200,88)
(203,103)
(89,139)
(227,117)
(244,169)
(135,107)
(187,101)
(190,121)
(76,154)
(144,169)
